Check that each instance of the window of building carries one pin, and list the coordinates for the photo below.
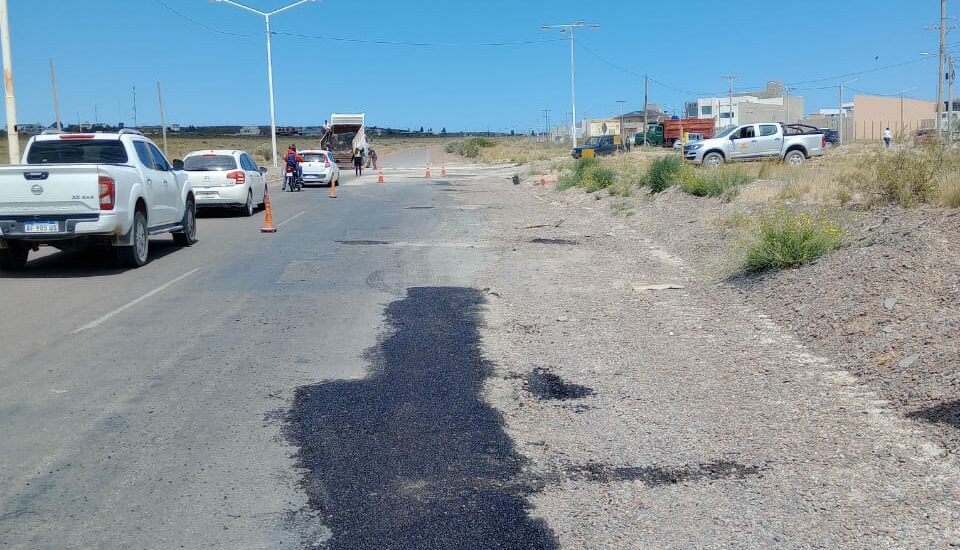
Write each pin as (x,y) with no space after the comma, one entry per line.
(706,110)
(726,115)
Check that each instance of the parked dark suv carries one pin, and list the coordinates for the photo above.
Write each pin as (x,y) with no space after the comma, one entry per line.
(831,136)
(597,146)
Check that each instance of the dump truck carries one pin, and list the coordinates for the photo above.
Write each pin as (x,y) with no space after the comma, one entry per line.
(346,133)
(666,133)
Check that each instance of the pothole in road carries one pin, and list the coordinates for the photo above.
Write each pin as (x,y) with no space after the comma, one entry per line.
(362,242)
(540,240)
(545,385)
(654,476)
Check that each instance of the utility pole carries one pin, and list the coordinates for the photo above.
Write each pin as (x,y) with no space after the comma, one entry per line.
(546,122)
(943,39)
(786,104)
(730,78)
(13,139)
(56,105)
(646,89)
(163,121)
(950,79)
(134,106)
(621,102)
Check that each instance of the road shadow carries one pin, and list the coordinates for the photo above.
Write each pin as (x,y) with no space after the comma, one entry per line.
(944,413)
(87,262)
(411,456)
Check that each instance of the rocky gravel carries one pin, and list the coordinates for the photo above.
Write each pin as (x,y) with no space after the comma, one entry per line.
(663,404)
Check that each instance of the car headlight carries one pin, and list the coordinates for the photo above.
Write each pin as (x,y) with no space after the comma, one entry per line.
(694,147)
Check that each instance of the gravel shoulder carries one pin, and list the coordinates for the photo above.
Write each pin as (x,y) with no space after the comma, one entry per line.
(664,405)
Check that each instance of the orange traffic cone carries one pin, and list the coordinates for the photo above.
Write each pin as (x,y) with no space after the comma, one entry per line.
(443,169)
(268,218)
(333,189)
(379,176)
(428,172)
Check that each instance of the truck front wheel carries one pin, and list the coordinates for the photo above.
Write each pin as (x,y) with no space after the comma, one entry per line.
(713,160)
(14,257)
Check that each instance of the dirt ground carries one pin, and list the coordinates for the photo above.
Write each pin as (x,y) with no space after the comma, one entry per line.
(663,404)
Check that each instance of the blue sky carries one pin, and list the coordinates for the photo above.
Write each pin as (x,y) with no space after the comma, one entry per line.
(211,60)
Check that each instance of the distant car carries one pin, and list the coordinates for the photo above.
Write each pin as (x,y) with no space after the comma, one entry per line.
(226,179)
(319,167)
(692,137)
(831,136)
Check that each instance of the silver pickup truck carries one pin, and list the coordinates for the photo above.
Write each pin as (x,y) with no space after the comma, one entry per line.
(767,140)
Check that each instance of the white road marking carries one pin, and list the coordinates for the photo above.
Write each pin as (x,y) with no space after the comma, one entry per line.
(132,303)
(291,218)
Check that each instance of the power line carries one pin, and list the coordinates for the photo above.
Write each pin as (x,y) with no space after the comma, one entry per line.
(199,24)
(418,44)
(858,73)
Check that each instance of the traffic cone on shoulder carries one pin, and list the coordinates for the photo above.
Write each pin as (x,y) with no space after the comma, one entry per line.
(268,216)
(379,176)
(333,189)
(428,172)
(443,169)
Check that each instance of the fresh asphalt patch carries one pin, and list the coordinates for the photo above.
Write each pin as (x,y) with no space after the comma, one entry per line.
(411,456)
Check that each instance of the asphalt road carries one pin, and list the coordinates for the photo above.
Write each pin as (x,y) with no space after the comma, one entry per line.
(261,391)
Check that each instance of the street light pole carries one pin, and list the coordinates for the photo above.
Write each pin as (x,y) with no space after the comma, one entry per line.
(12,138)
(900,93)
(840,112)
(569,27)
(266,16)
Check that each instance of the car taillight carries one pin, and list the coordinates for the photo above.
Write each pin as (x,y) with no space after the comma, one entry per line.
(108,192)
(237,176)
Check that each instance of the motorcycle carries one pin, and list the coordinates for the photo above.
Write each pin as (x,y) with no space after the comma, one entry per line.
(291,181)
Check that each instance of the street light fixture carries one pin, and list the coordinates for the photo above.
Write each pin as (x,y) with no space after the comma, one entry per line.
(569,28)
(267,16)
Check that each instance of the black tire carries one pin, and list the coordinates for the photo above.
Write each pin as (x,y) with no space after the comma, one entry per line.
(188,236)
(794,158)
(248,208)
(137,254)
(713,160)
(263,203)
(14,257)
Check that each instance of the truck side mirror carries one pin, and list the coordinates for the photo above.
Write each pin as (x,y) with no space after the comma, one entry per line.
(177,164)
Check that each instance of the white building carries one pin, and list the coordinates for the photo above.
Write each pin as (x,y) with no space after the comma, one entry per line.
(251,130)
(770,105)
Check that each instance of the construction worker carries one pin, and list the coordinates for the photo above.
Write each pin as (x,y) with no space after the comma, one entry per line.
(358,161)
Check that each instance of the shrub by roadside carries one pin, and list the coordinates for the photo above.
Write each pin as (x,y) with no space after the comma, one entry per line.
(784,239)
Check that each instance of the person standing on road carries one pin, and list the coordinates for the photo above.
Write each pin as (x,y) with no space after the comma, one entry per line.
(373,159)
(294,160)
(887,137)
(358,161)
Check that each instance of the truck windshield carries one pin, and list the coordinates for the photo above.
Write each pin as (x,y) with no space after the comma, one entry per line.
(727,131)
(592,142)
(209,163)
(77,151)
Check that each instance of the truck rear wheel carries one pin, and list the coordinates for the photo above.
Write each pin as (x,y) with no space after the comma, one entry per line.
(14,257)
(794,158)
(713,160)
(188,236)
(137,254)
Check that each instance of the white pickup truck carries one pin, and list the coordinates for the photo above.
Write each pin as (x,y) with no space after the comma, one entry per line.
(74,190)
(768,140)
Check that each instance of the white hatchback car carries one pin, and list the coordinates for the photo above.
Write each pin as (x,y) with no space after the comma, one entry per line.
(226,179)
(320,167)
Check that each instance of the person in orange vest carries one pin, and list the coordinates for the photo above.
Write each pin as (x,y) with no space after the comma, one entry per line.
(294,160)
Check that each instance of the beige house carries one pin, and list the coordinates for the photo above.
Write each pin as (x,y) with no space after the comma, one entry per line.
(872,114)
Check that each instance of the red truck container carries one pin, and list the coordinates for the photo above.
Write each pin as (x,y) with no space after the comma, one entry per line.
(671,128)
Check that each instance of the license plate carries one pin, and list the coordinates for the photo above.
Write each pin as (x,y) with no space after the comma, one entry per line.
(41,227)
